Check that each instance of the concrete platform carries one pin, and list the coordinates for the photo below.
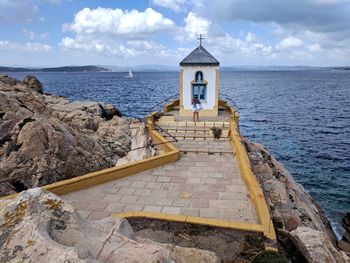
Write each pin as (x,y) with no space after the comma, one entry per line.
(212,183)
(205,182)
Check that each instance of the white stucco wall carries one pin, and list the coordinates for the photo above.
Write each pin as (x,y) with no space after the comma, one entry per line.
(209,74)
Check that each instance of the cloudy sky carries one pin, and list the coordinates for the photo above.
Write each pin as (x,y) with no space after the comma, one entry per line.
(124,32)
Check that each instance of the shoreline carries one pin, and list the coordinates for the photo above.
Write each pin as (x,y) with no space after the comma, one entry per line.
(291,207)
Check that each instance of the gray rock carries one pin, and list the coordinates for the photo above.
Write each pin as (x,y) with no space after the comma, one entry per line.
(346,226)
(343,245)
(316,246)
(38,226)
(33,83)
(292,223)
(109,110)
(8,80)
(44,139)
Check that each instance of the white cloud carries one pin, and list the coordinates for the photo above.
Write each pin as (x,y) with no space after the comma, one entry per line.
(325,22)
(32,35)
(194,25)
(30,47)
(129,24)
(222,44)
(250,37)
(300,55)
(176,5)
(314,48)
(289,42)
(121,33)
(129,49)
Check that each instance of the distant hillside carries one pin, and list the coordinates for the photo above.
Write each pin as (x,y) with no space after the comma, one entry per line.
(57,69)
(270,68)
(341,68)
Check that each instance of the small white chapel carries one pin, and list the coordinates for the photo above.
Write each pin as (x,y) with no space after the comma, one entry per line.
(199,77)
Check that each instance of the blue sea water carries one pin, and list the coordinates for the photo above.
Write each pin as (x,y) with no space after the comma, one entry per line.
(303,117)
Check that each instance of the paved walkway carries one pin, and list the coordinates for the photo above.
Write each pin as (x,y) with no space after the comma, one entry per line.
(204,183)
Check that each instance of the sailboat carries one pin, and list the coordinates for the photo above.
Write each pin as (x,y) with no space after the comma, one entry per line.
(130,75)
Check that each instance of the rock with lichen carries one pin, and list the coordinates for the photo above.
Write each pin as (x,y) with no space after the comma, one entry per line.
(38,226)
(45,138)
(316,246)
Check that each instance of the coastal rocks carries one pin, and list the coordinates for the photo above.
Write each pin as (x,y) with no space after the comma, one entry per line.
(33,83)
(38,226)
(292,223)
(292,208)
(344,243)
(109,111)
(116,132)
(8,80)
(316,246)
(45,139)
(140,144)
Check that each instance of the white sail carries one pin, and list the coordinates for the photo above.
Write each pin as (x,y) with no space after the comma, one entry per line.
(130,75)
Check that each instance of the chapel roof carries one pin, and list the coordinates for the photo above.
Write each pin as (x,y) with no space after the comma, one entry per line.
(199,56)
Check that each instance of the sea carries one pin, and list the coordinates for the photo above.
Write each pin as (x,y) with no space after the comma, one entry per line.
(302,116)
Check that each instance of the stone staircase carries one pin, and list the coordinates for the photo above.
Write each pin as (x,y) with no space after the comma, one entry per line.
(196,136)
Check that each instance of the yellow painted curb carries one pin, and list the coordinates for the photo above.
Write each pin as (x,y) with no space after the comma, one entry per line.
(192,220)
(249,177)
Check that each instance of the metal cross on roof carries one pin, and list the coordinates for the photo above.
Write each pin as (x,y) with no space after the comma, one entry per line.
(200,39)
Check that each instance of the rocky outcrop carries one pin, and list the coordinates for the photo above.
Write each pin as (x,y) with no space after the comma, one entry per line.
(298,219)
(139,143)
(344,243)
(38,226)
(316,246)
(8,80)
(44,139)
(33,83)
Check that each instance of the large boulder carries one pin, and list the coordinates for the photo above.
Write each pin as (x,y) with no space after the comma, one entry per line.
(316,246)
(8,80)
(38,226)
(44,139)
(140,144)
(109,110)
(33,83)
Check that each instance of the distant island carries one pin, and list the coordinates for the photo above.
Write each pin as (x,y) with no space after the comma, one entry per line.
(159,68)
(56,69)
(341,68)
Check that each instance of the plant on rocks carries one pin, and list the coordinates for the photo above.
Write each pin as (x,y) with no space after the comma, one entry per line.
(216,132)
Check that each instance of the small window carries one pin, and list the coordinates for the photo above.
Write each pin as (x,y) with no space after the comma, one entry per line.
(200,92)
(199,77)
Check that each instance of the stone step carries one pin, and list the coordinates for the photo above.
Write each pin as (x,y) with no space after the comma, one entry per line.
(190,134)
(187,134)
(212,151)
(198,146)
(208,124)
(183,128)
(193,138)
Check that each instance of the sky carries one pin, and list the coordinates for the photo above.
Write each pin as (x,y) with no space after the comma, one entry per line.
(39,33)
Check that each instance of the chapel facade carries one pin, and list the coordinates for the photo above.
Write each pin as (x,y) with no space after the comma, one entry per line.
(199,77)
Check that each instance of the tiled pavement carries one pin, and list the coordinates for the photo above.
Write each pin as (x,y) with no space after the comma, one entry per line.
(210,180)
